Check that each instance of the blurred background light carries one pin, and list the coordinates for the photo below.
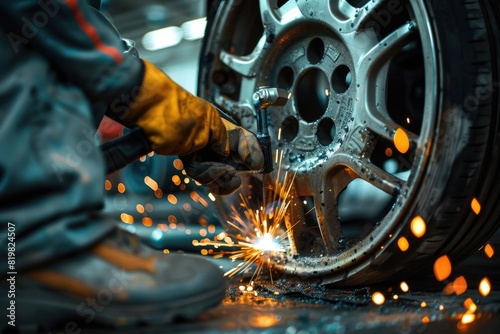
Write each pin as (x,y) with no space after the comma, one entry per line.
(162,38)
(194,29)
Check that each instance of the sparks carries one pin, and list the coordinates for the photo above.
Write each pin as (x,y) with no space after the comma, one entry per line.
(378,298)
(256,237)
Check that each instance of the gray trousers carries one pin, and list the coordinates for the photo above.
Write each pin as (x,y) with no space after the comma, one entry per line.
(51,170)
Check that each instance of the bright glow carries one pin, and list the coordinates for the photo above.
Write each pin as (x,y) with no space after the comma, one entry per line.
(178,164)
(476,207)
(489,251)
(194,29)
(127,219)
(418,226)
(262,320)
(401,141)
(442,268)
(468,318)
(162,38)
(139,208)
(423,304)
(470,305)
(267,243)
(378,298)
(121,188)
(426,320)
(146,221)
(449,289)
(157,234)
(404,287)
(108,185)
(151,183)
(485,287)
(403,244)
(460,285)
(172,199)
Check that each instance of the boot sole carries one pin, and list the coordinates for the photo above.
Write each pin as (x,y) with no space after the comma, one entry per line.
(47,310)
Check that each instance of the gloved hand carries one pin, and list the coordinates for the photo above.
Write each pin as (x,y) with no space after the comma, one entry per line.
(241,146)
(179,123)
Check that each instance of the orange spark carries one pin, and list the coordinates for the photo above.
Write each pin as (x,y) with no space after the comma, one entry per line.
(257,235)
(418,226)
(460,285)
(127,219)
(146,221)
(442,268)
(476,207)
(172,199)
(121,188)
(378,298)
(468,318)
(489,251)
(485,287)
(470,305)
(403,244)
(151,183)
(401,141)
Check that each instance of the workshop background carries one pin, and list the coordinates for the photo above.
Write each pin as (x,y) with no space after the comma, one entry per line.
(156,200)
(153,197)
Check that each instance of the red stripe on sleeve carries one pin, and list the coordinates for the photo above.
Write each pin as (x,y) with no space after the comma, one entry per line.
(90,31)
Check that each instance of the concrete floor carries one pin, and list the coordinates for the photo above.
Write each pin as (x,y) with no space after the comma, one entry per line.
(298,308)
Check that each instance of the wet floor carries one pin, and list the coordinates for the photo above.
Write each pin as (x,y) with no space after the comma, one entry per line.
(293,307)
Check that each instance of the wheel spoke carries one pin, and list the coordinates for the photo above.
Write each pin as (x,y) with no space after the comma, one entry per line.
(244,65)
(383,51)
(376,176)
(269,13)
(365,16)
(374,66)
(289,12)
(380,123)
(326,190)
(343,11)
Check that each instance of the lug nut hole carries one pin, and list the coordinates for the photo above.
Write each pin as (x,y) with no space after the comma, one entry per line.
(312,94)
(326,131)
(341,79)
(289,129)
(285,78)
(315,50)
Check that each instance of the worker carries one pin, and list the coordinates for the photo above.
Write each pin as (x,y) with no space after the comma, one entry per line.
(66,264)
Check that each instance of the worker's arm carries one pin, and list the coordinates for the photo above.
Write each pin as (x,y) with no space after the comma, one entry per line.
(89,53)
(79,44)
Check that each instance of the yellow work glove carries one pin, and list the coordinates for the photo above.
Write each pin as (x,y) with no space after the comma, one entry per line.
(179,123)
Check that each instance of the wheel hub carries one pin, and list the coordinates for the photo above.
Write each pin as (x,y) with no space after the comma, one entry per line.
(318,71)
(337,129)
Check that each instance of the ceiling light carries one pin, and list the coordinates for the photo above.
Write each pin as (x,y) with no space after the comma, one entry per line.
(194,29)
(162,38)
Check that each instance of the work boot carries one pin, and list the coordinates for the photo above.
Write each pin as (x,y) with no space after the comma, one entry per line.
(117,282)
